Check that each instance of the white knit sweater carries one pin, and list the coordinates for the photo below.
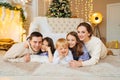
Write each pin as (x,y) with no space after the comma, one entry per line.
(17,51)
(96,49)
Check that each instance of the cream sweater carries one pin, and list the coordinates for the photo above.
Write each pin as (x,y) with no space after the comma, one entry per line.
(96,49)
(17,51)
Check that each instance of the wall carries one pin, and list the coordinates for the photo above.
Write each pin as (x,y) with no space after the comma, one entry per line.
(99,6)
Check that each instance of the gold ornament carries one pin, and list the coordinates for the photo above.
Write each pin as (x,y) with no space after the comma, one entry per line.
(96,18)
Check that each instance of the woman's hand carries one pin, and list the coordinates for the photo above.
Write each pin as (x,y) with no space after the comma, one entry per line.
(75,64)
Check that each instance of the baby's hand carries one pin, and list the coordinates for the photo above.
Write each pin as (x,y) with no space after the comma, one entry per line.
(61,56)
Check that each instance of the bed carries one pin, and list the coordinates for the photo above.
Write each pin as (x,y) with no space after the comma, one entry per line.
(54,27)
(106,69)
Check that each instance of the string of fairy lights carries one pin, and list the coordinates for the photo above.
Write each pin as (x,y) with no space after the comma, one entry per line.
(81,8)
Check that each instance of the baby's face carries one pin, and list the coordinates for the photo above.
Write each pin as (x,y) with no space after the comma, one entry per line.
(63,51)
(44,45)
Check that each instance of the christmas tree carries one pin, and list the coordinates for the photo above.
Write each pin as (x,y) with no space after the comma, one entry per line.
(59,8)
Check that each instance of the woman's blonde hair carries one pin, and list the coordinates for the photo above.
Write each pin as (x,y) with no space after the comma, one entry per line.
(61,42)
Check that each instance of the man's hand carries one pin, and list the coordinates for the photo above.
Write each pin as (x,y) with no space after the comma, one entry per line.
(27,58)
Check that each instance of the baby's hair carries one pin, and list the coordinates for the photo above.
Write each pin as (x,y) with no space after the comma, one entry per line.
(61,42)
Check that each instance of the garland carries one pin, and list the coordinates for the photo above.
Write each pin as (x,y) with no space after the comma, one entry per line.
(9,6)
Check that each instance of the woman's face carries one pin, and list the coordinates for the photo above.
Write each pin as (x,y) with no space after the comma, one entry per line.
(44,46)
(83,34)
(71,41)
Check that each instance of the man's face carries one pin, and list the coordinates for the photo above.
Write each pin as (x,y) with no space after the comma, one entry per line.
(36,43)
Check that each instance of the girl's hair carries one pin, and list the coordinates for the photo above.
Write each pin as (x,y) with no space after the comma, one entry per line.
(61,42)
(50,43)
(34,34)
(87,26)
(78,48)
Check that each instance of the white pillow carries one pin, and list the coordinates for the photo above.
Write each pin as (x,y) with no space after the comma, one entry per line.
(41,25)
(38,58)
(55,36)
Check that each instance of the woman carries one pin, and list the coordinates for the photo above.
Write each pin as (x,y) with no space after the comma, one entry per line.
(77,47)
(94,45)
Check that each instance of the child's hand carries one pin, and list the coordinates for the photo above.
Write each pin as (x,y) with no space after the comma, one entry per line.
(27,58)
(62,56)
(48,49)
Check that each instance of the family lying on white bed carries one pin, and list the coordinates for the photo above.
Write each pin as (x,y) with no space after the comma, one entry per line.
(79,49)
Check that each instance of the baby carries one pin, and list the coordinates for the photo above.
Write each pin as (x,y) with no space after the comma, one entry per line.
(62,54)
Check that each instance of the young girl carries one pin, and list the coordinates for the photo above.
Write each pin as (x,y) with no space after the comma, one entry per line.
(46,53)
(77,47)
(62,54)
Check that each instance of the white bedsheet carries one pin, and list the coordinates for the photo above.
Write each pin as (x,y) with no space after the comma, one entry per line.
(107,69)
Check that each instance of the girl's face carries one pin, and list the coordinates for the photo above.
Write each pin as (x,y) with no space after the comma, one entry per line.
(83,34)
(71,41)
(44,46)
(63,51)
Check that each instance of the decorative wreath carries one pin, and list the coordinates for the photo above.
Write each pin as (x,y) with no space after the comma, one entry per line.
(9,6)
(96,18)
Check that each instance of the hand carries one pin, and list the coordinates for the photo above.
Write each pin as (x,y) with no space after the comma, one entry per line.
(61,56)
(48,49)
(27,58)
(72,64)
(26,45)
(75,64)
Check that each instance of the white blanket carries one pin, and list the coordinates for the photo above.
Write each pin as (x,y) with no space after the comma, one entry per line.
(107,69)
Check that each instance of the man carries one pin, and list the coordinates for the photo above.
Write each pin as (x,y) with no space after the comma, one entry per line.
(19,52)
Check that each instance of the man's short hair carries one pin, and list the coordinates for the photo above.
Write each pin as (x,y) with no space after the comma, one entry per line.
(35,34)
